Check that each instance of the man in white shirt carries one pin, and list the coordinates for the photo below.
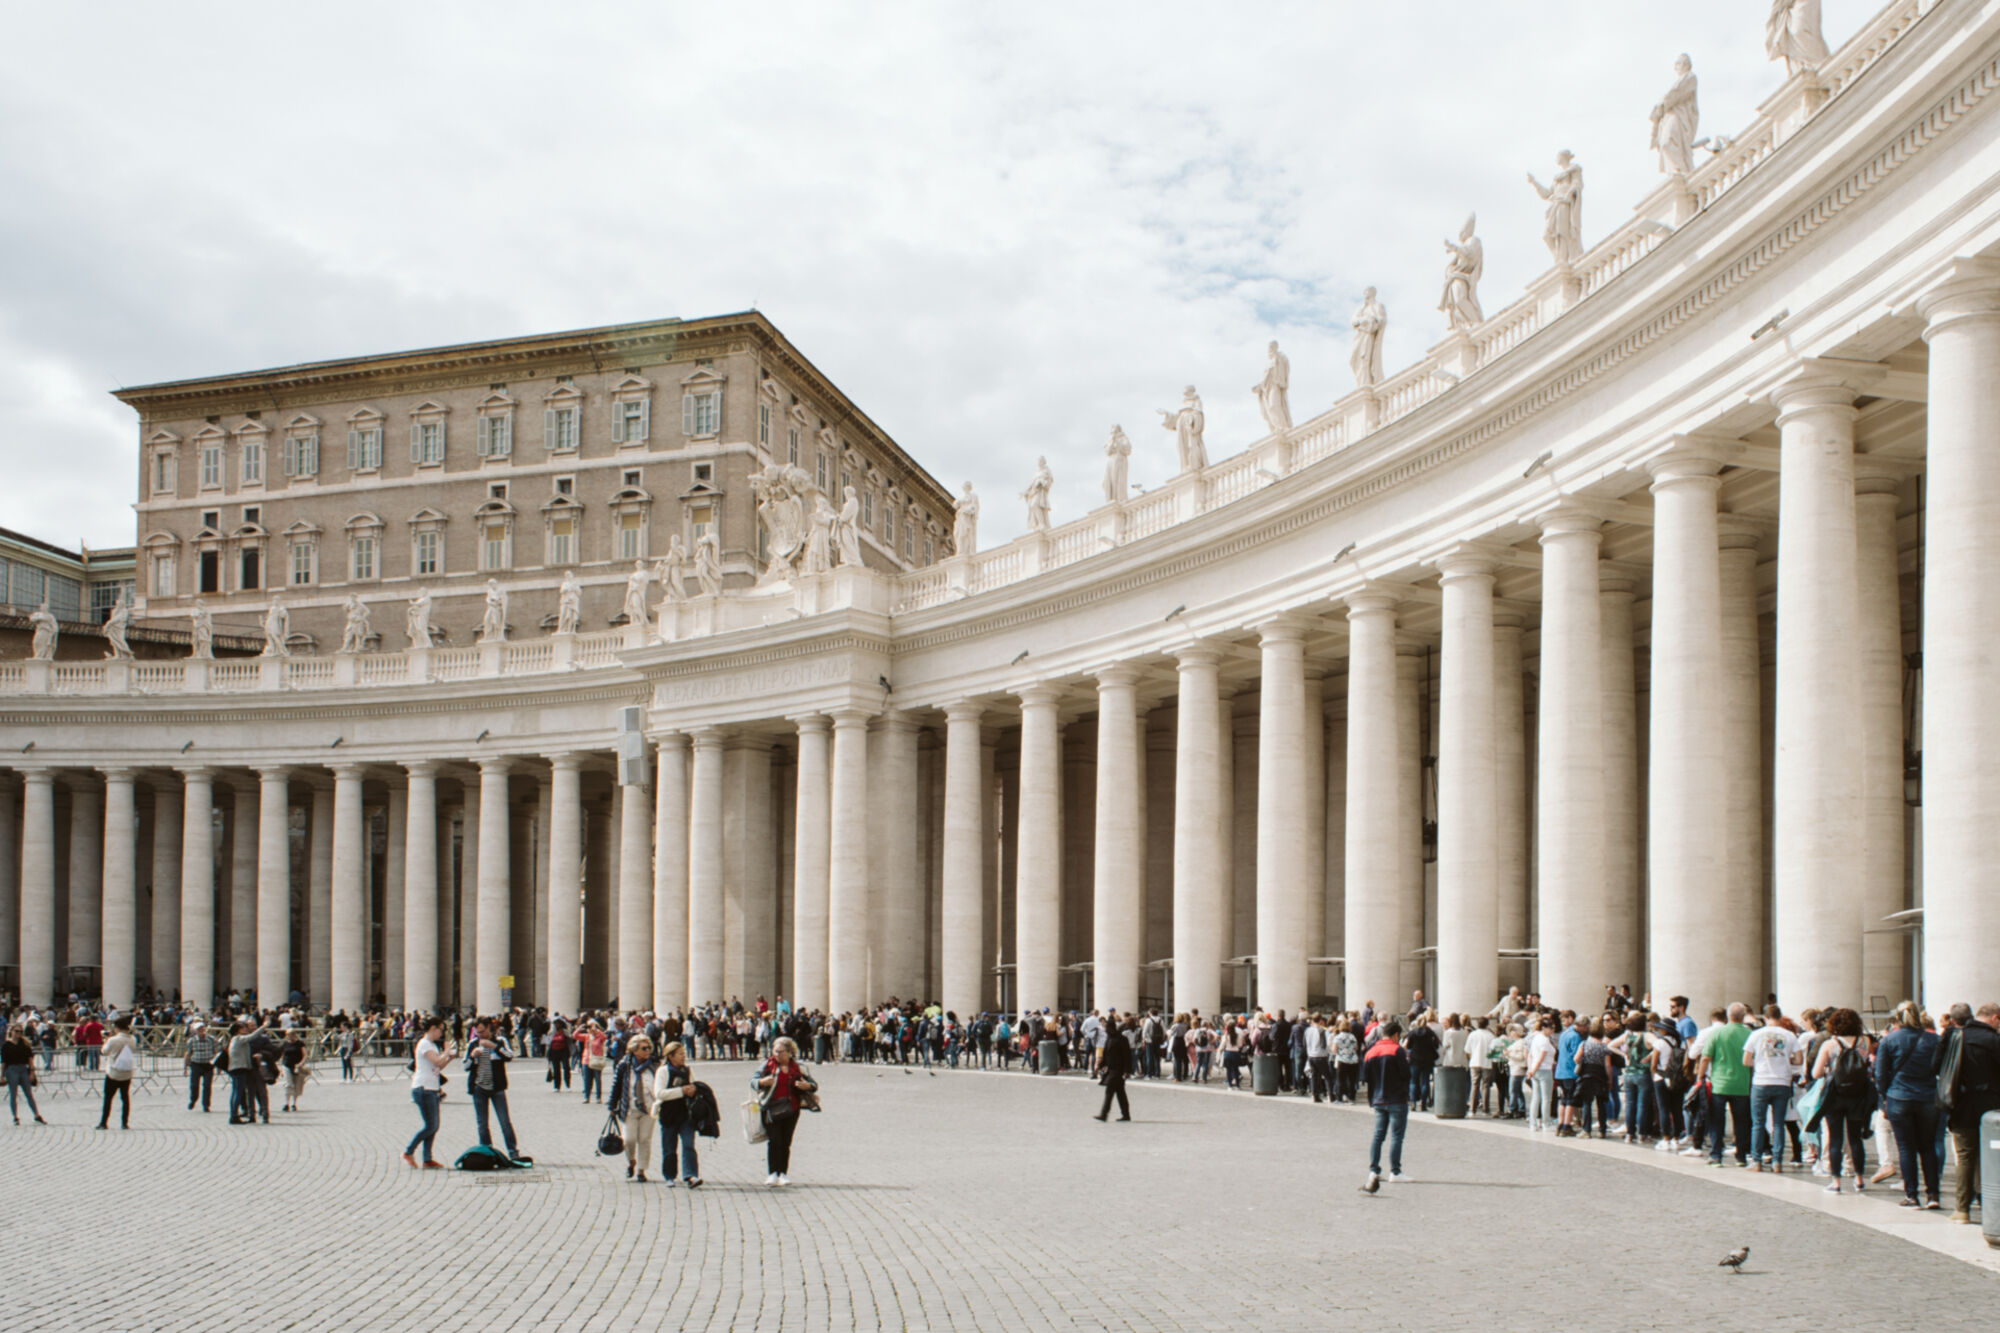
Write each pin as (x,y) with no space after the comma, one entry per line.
(1773,1055)
(1319,1056)
(427,1089)
(1479,1055)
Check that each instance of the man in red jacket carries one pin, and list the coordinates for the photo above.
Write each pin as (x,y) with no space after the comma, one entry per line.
(89,1040)
(1387,1070)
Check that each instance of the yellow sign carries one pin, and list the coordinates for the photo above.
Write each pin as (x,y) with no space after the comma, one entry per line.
(506,983)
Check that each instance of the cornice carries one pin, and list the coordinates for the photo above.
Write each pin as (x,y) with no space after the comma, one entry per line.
(299,707)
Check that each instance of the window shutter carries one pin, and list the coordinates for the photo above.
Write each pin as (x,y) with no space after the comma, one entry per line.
(549,440)
(311,451)
(353,450)
(373,448)
(505,427)
(485,436)
(617,422)
(645,418)
(416,442)
(687,414)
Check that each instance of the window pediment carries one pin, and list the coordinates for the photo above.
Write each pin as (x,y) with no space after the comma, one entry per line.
(429,410)
(498,401)
(365,416)
(703,378)
(252,430)
(631,384)
(494,509)
(427,520)
(210,434)
(364,522)
(563,395)
(304,421)
(562,504)
(302,530)
(161,541)
(769,388)
(163,437)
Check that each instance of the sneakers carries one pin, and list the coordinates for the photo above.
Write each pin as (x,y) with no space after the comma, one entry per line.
(1860,1185)
(1374,1182)
(1692,1152)
(1755,1166)
(784,1179)
(433,1166)
(1962,1217)
(1833,1187)
(771,1179)
(408,1160)
(1664,1145)
(694,1182)
(1398,1178)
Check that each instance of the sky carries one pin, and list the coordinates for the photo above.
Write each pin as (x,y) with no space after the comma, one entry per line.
(1000,229)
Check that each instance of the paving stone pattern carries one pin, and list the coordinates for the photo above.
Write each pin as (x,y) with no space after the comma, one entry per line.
(958,1201)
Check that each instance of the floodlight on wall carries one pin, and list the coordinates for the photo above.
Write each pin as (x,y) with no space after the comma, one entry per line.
(184,748)
(336,742)
(1176,611)
(1343,553)
(1770,325)
(883,681)
(1541,461)
(1019,658)
(31,745)
(481,736)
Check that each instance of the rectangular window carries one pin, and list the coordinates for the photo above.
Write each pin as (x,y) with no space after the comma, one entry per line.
(302,563)
(364,449)
(426,443)
(629,532)
(889,526)
(494,548)
(700,518)
(704,473)
(496,437)
(820,470)
(632,478)
(560,429)
(562,541)
(163,576)
(302,455)
(426,553)
(701,413)
(630,421)
(792,448)
(363,564)
(253,513)
(565,485)
(909,541)
(211,571)
(163,472)
(250,570)
(764,430)
(253,462)
(212,519)
(867,508)
(211,466)
(929,553)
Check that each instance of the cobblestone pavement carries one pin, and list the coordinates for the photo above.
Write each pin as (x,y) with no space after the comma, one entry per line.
(960,1201)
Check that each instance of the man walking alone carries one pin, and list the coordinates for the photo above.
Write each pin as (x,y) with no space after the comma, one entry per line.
(1387,1071)
(1114,1066)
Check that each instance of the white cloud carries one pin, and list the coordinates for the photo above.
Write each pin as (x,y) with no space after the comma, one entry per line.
(1000,229)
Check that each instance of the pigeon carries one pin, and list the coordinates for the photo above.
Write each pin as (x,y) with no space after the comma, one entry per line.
(1374,1183)
(1733,1261)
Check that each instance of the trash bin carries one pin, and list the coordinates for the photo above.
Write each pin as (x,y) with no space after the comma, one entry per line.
(1264,1075)
(1454,1092)
(1048,1058)
(1989,1177)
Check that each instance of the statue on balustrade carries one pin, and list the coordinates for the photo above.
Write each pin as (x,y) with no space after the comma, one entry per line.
(1677,120)
(1037,496)
(1273,392)
(1365,359)
(117,623)
(1186,424)
(46,633)
(965,523)
(708,564)
(1117,467)
(1462,271)
(1793,32)
(569,603)
(1562,224)
(277,628)
(354,635)
(417,619)
(635,594)
(493,625)
(847,527)
(819,538)
(201,631)
(672,572)
(783,492)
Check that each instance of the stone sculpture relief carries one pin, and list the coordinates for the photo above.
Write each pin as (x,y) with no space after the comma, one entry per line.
(636,584)
(1037,496)
(277,628)
(1273,392)
(965,523)
(784,506)
(672,571)
(201,631)
(1676,121)
(1562,225)
(569,604)
(1460,302)
(117,623)
(847,527)
(1793,32)
(708,564)
(417,619)
(819,538)
(1365,358)
(1186,423)
(493,625)
(1117,466)
(43,645)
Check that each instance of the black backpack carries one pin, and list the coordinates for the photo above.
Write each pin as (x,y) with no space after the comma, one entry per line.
(1849,1073)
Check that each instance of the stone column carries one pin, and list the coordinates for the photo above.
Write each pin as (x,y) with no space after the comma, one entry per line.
(963,908)
(38,888)
(847,864)
(1961,837)
(565,884)
(319,893)
(811,846)
(468,893)
(1118,922)
(1510,795)
(198,887)
(10,875)
(243,884)
(121,889)
(1625,945)
(349,905)
(1569,806)
(1413,703)
(1198,813)
(86,873)
(395,892)
(1374,805)
(1740,695)
(1284,821)
(635,898)
(1879,638)
(1038,887)
(670,875)
(898,949)
(167,886)
(1468,903)
(495,884)
(274,885)
(1816,842)
(420,888)
(989,871)
(705,939)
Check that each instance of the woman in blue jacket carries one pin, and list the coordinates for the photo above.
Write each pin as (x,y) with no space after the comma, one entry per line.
(1903,1076)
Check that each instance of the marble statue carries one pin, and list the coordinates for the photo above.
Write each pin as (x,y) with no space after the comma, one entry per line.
(847,527)
(708,565)
(1186,424)
(201,631)
(1272,394)
(1562,226)
(784,507)
(354,635)
(46,633)
(1676,121)
(965,523)
(417,619)
(1793,31)
(819,538)
(117,623)
(569,603)
(1460,302)
(277,628)
(672,572)
(635,593)
(1117,466)
(1370,321)
(1037,496)
(493,625)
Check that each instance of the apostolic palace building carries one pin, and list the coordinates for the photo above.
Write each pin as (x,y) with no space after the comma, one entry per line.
(1646,630)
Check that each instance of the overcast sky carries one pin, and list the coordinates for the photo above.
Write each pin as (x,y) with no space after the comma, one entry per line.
(1000,228)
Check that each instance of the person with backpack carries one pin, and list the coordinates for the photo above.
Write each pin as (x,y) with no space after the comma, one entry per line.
(121,1061)
(1968,1074)
(559,1042)
(1850,1096)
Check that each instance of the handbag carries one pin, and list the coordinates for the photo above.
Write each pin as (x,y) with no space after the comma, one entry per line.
(1810,1103)
(610,1143)
(1947,1075)
(753,1121)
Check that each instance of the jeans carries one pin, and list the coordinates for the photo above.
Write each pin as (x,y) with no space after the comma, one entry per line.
(1916,1143)
(1734,1107)
(121,1088)
(1767,1107)
(1517,1094)
(481,1100)
(1542,1099)
(1321,1082)
(1232,1068)
(427,1107)
(17,1087)
(1420,1086)
(1845,1120)
(1390,1123)
(592,1078)
(1672,1124)
(1588,1097)
(558,1073)
(1638,1107)
(201,1085)
(679,1142)
(1203,1063)
(242,1106)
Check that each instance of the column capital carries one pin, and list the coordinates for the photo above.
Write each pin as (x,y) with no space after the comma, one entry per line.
(1198,653)
(1877,482)
(1116,676)
(675,741)
(965,710)
(1512,620)
(420,768)
(1620,585)
(710,738)
(895,720)
(566,761)
(1691,458)
(349,772)
(36,775)
(1372,598)
(1039,695)
(495,765)
(1570,520)
(116,773)
(811,723)
(844,719)
(273,772)
(196,772)
(1826,386)
(1285,627)
(1969,291)
(1465,560)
